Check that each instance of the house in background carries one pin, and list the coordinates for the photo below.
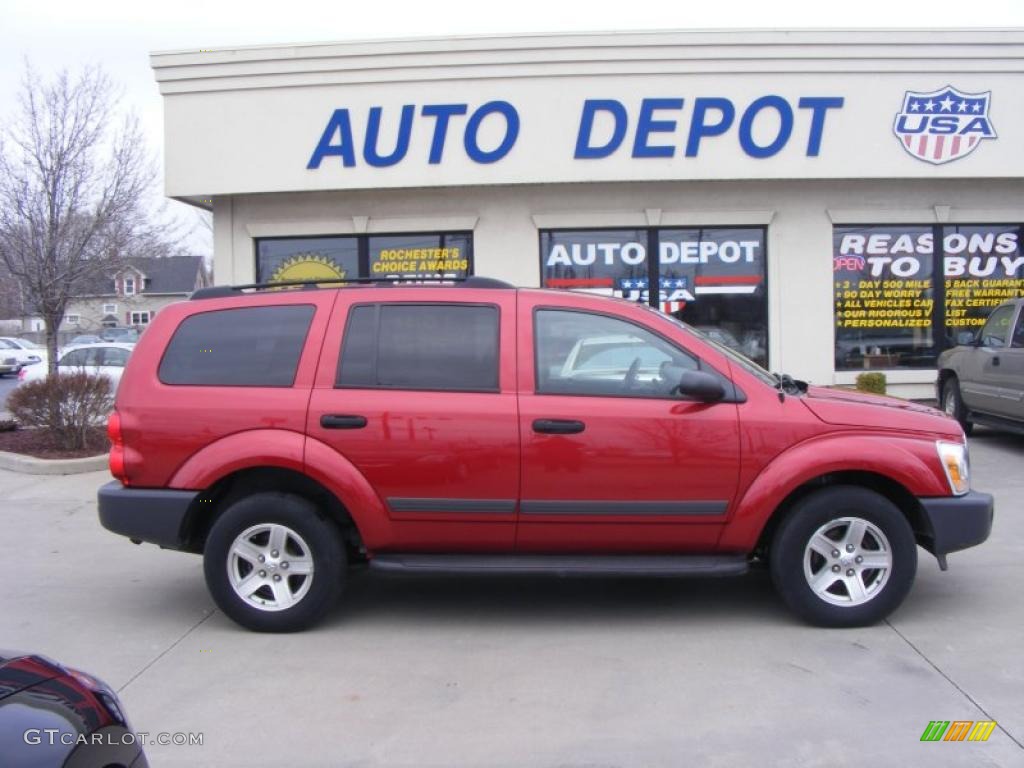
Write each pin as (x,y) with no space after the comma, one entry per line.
(134,293)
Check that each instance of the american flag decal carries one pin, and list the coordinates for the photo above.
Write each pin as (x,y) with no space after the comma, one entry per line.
(943,125)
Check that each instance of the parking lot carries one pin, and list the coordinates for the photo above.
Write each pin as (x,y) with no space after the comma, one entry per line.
(527,672)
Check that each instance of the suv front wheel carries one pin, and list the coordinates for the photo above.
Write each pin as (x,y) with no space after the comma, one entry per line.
(273,563)
(844,557)
(953,403)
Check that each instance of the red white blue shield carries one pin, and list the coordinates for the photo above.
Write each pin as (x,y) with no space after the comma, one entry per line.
(943,125)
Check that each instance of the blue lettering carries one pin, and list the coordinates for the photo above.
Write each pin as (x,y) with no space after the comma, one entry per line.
(646,125)
(819,106)
(940,124)
(978,125)
(339,123)
(781,106)
(473,126)
(699,128)
(373,135)
(903,125)
(584,150)
(441,114)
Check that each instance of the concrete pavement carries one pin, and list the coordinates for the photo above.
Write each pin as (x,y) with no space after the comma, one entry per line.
(526,672)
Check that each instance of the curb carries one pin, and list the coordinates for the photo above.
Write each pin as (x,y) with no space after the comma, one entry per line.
(30,465)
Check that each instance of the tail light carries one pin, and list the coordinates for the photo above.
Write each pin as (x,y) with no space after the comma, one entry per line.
(116,448)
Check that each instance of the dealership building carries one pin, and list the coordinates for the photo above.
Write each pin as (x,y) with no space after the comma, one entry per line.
(828,202)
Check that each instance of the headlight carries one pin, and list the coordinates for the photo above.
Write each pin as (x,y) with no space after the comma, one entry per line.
(957,463)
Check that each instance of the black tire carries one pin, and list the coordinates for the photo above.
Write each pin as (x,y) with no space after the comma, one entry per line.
(313,541)
(829,507)
(953,404)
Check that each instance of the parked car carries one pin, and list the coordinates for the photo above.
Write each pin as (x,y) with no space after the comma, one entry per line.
(982,381)
(23,351)
(9,362)
(52,715)
(442,429)
(98,359)
(121,335)
(85,338)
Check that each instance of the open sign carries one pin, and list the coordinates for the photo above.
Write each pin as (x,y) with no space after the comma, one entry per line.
(848,263)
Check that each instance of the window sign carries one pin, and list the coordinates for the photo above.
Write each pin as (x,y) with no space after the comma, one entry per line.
(983,266)
(884,297)
(902,294)
(418,256)
(713,278)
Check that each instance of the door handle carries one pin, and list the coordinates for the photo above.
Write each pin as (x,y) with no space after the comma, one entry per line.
(558,426)
(342,421)
(995,359)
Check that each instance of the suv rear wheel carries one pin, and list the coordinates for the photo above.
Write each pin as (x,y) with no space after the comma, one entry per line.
(273,563)
(844,557)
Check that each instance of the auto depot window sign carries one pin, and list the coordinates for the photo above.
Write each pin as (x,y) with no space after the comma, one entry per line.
(691,263)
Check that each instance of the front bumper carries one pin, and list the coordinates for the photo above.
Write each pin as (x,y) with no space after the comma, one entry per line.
(956,522)
(156,515)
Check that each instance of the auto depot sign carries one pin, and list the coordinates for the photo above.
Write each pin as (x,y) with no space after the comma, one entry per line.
(594,129)
(657,129)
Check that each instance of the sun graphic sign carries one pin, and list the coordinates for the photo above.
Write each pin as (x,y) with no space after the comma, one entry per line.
(307,267)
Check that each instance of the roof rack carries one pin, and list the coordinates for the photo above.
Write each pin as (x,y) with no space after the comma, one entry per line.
(222,291)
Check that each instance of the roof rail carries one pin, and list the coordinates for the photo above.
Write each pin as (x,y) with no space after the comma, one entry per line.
(222,291)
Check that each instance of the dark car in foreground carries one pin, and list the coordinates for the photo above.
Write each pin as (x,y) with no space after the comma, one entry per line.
(54,716)
(981,381)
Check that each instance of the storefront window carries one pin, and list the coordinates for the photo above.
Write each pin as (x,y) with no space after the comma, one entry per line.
(302,258)
(401,257)
(891,308)
(713,278)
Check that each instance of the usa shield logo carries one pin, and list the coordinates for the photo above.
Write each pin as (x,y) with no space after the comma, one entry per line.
(943,125)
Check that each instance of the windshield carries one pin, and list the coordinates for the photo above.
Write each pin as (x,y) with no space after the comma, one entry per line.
(744,362)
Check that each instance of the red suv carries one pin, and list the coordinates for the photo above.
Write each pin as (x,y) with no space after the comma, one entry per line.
(480,428)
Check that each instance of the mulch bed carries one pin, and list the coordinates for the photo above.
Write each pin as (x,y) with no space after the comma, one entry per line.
(39,443)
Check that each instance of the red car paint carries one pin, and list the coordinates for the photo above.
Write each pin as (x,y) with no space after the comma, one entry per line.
(431,444)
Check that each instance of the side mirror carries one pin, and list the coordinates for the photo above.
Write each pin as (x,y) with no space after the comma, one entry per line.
(701,386)
(966,339)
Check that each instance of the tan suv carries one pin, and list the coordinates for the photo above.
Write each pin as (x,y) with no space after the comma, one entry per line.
(982,381)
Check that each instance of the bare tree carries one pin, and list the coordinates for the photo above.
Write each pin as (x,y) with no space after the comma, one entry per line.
(73,186)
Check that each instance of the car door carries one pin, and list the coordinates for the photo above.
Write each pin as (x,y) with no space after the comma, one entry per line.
(611,460)
(418,392)
(982,378)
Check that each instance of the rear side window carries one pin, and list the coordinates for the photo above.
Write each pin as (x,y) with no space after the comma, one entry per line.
(247,347)
(421,346)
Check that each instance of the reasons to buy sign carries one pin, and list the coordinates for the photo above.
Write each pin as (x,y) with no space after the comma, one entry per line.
(895,288)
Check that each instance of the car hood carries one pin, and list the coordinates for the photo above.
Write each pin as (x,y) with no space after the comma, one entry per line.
(857,409)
